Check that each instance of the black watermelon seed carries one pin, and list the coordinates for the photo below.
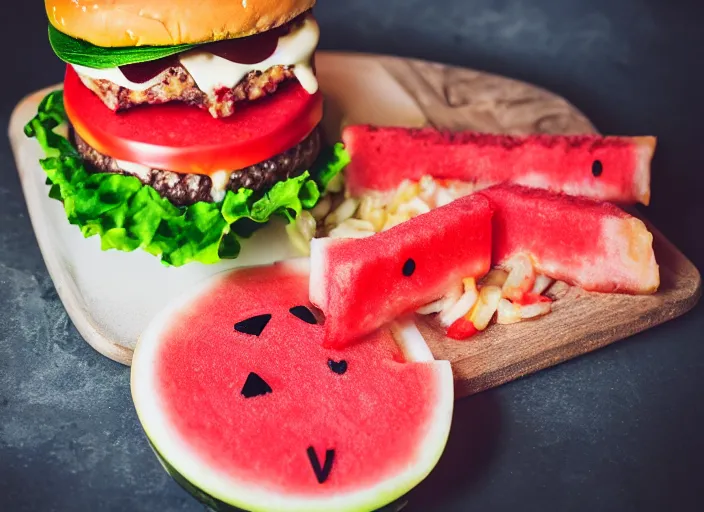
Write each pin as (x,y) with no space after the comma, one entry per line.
(339,367)
(597,168)
(304,314)
(321,473)
(255,386)
(409,267)
(254,325)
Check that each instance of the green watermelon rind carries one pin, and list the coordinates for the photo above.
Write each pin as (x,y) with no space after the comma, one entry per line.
(216,487)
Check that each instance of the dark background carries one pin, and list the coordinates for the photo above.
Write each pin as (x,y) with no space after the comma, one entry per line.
(620,429)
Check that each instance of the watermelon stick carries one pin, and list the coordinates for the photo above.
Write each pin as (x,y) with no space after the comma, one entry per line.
(362,284)
(615,169)
(586,243)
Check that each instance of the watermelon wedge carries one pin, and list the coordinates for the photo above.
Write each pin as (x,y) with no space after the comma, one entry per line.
(361,284)
(587,243)
(615,169)
(246,409)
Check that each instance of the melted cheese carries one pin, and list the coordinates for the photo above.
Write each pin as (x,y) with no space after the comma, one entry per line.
(219,181)
(116,76)
(142,172)
(211,72)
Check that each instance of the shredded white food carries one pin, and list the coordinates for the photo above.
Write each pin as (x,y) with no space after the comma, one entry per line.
(384,210)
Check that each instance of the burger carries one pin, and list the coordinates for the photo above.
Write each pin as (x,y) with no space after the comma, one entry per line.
(188,125)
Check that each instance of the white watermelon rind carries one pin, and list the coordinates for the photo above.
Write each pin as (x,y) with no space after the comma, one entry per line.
(243,495)
(219,506)
(318,265)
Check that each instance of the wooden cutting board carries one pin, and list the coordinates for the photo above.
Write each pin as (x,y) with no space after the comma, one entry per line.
(112,296)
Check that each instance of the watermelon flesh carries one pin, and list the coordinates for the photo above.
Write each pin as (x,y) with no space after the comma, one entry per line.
(263,417)
(590,244)
(361,284)
(615,169)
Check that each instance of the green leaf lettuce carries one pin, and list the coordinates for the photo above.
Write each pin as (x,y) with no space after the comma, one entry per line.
(128,215)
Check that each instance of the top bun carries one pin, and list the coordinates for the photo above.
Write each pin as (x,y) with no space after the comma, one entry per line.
(112,23)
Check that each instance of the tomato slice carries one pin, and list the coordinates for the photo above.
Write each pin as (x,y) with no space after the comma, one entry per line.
(185,139)
(461,330)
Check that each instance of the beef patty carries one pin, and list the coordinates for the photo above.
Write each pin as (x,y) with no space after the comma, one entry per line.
(187,189)
(177,84)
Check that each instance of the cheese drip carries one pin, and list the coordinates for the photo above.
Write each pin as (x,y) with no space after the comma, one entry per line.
(212,73)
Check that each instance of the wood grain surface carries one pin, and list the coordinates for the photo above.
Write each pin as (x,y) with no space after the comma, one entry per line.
(379,90)
(579,323)
(463,99)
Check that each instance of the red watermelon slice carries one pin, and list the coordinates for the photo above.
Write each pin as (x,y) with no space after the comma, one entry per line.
(587,243)
(615,169)
(246,408)
(361,284)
